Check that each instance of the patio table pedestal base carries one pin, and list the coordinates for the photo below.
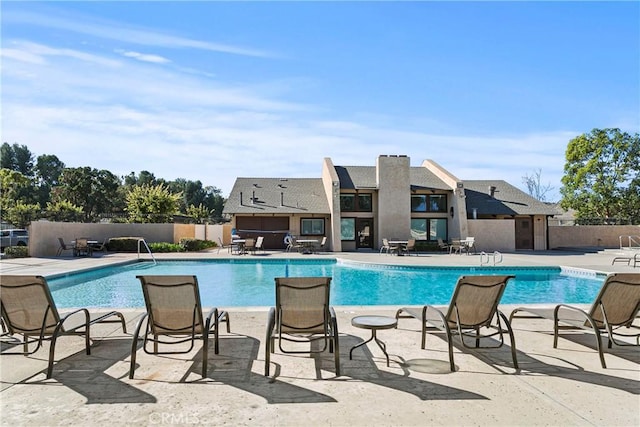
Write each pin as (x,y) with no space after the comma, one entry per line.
(374,323)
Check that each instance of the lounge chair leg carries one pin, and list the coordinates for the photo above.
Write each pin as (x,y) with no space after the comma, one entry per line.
(134,346)
(599,346)
(205,351)
(512,340)
(269,344)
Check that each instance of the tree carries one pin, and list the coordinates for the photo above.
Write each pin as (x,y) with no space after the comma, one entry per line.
(199,213)
(151,204)
(95,191)
(64,211)
(143,178)
(535,187)
(48,170)
(21,214)
(14,188)
(602,175)
(17,158)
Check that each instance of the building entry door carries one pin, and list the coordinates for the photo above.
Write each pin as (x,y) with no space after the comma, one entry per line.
(364,233)
(524,233)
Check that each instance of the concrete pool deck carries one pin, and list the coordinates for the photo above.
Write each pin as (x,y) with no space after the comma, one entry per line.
(563,386)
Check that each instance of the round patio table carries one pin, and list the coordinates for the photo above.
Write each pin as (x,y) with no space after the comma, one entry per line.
(374,323)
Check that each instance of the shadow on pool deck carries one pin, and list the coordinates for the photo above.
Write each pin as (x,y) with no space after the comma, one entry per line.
(563,386)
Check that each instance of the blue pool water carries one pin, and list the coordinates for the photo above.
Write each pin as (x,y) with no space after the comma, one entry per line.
(236,283)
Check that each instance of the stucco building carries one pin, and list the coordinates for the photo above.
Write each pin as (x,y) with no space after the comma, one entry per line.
(355,207)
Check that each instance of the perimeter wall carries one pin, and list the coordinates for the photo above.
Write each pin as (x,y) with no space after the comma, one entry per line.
(490,235)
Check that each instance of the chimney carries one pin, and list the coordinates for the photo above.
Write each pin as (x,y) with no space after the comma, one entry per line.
(492,190)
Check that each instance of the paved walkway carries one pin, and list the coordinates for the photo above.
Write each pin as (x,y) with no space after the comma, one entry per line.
(564,386)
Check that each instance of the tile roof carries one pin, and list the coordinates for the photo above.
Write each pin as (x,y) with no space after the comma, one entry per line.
(299,195)
(507,200)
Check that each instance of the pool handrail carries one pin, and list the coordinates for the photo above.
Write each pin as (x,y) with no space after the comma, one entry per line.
(141,240)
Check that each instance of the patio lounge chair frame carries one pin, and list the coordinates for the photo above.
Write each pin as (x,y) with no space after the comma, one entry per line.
(174,311)
(302,314)
(64,247)
(616,306)
(474,305)
(28,310)
(628,259)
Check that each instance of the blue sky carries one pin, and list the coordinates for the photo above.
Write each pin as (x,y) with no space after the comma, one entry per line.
(212,91)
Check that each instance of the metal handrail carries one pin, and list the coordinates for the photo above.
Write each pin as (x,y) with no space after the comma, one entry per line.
(496,256)
(148,250)
(634,242)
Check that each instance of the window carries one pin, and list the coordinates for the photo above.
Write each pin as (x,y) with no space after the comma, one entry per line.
(432,203)
(364,203)
(438,203)
(418,203)
(438,229)
(348,229)
(356,203)
(347,202)
(429,228)
(419,228)
(312,226)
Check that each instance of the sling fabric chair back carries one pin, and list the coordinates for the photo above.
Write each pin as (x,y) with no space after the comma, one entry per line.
(619,297)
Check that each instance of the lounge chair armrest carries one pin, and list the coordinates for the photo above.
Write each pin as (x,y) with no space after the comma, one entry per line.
(86,323)
(431,313)
(574,310)
(214,314)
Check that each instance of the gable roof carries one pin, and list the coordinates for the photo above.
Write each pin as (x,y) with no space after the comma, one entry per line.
(298,195)
(507,199)
(364,177)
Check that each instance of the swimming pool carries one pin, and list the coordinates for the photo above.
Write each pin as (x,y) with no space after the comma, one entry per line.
(240,283)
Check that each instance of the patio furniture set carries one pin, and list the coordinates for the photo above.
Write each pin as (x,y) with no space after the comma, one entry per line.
(82,246)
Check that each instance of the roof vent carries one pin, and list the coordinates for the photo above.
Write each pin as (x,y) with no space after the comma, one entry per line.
(492,190)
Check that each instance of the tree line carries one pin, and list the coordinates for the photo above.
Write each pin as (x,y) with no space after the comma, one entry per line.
(601,181)
(42,187)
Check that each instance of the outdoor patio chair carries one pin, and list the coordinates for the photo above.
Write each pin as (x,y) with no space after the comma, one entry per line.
(474,305)
(174,316)
(442,245)
(101,246)
(64,247)
(616,306)
(82,247)
(410,247)
(302,314)
(320,246)
(387,247)
(259,244)
(28,310)
(249,245)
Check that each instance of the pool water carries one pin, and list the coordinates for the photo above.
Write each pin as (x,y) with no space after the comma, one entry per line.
(237,283)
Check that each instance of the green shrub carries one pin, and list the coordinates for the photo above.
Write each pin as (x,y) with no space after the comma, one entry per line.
(195,245)
(16,252)
(124,244)
(427,246)
(165,247)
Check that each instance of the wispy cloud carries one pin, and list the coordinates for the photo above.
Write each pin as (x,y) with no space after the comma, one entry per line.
(133,115)
(91,26)
(144,57)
